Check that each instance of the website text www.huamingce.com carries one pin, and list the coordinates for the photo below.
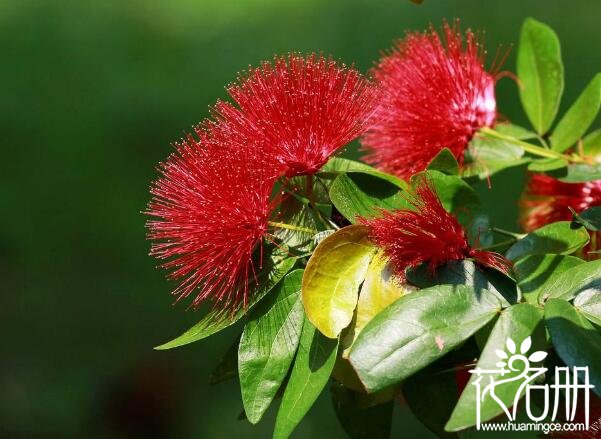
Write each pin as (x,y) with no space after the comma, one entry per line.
(546,428)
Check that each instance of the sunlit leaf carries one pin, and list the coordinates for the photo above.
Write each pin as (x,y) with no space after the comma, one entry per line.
(332,278)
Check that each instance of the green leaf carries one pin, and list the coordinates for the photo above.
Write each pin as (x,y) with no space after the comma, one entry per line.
(555,238)
(359,418)
(466,272)
(227,368)
(485,156)
(311,371)
(431,395)
(332,278)
(589,304)
(515,131)
(540,70)
(461,199)
(535,273)
(338,165)
(268,345)
(580,173)
(359,194)
(579,117)
(445,162)
(583,277)
(516,323)
(544,165)
(591,145)
(416,330)
(575,339)
(275,266)
(590,218)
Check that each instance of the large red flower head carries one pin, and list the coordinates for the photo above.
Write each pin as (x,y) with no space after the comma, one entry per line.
(210,207)
(547,200)
(426,234)
(300,110)
(435,94)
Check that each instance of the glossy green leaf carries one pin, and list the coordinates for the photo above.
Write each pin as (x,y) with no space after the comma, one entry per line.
(466,272)
(359,417)
(580,173)
(579,117)
(275,266)
(431,395)
(540,70)
(591,145)
(461,199)
(268,345)
(515,131)
(576,280)
(589,304)
(485,156)
(575,339)
(445,162)
(517,323)
(227,368)
(590,218)
(311,371)
(544,165)
(555,238)
(535,273)
(416,330)
(359,194)
(339,165)
(333,276)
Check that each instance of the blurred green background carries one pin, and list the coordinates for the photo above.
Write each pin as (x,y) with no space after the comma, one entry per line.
(93,92)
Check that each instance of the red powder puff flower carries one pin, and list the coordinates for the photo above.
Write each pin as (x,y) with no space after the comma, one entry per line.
(211,207)
(546,200)
(299,110)
(435,94)
(426,234)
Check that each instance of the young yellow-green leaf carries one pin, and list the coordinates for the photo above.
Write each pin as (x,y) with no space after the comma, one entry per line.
(556,238)
(359,194)
(332,278)
(591,145)
(580,173)
(575,339)
(583,277)
(589,304)
(515,131)
(359,416)
(416,330)
(379,290)
(517,323)
(534,273)
(268,345)
(579,117)
(275,266)
(545,165)
(540,70)
(445,162)
(311,371)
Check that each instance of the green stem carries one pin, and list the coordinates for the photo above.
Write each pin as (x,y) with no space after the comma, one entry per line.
(529,147)
(508,233)
(499,244)
(291,227)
